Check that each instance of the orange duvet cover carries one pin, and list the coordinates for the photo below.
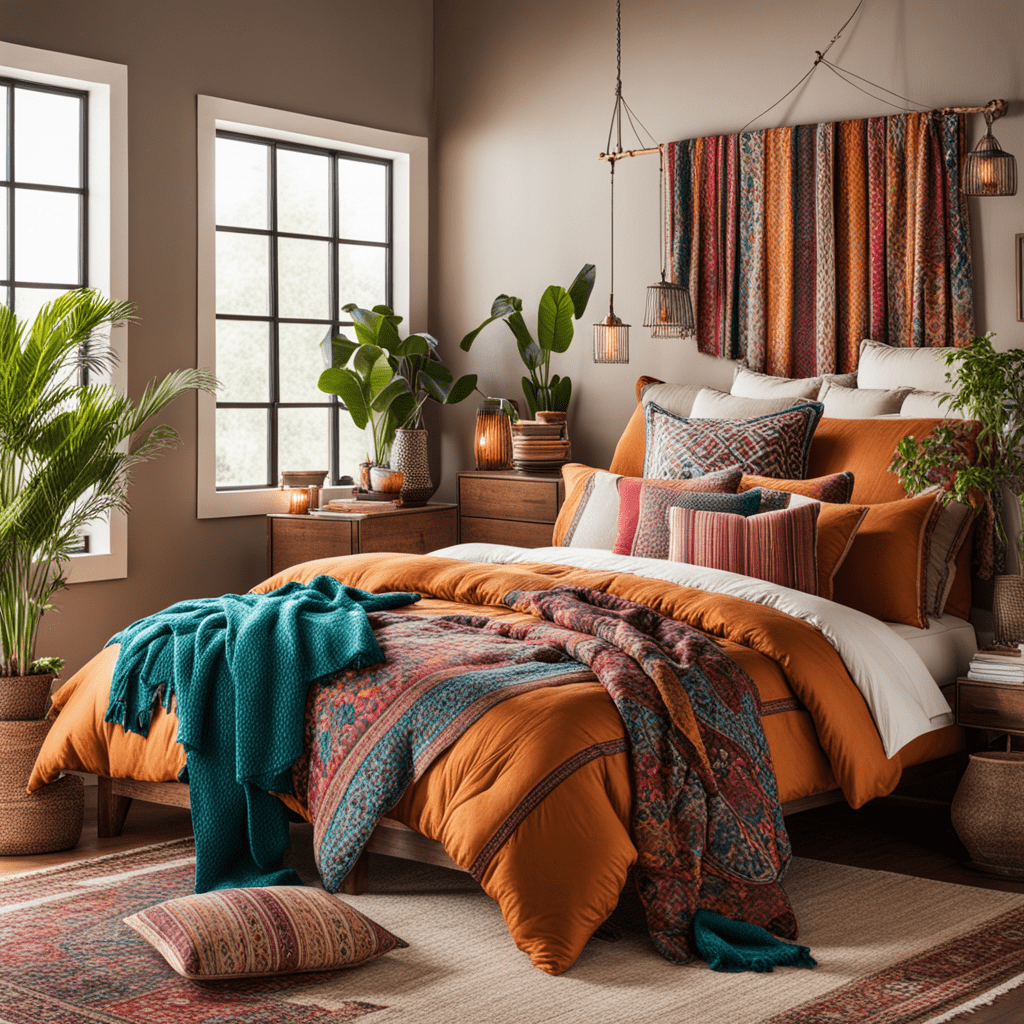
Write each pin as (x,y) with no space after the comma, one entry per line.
(534,799)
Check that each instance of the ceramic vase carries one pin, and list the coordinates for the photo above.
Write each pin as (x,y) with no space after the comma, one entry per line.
(409,454)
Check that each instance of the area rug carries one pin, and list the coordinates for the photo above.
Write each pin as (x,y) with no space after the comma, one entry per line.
(891,949)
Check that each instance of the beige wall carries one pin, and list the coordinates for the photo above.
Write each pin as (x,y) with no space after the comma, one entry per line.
(524,97)
(523,92)
(359,61)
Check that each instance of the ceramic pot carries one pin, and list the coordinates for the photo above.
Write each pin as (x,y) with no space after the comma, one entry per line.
(1008,608)
(24,697)
(364,475)
(988,812)
(47,820)
(386,480)
(409,454)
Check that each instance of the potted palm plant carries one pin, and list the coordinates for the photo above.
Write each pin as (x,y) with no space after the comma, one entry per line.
(67,444)
(988,387)
(384,380)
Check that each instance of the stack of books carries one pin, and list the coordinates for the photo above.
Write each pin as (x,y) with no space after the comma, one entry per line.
(998,663)
(539,446)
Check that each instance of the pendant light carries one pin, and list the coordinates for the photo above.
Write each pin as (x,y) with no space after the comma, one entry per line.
(611,335)
(669,310)
(989,170)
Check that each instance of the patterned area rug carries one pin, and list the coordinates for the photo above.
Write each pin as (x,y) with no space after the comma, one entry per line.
(891,950)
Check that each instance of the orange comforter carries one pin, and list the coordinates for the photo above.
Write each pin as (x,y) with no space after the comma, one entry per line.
(526,771)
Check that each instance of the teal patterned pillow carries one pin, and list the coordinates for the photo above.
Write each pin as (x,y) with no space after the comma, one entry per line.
(651,539)
(776,445)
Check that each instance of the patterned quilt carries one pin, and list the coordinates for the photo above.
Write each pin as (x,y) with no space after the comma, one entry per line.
(706,816)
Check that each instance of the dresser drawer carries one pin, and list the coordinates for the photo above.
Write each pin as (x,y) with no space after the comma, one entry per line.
(999,708)
(504,531)
(508,498)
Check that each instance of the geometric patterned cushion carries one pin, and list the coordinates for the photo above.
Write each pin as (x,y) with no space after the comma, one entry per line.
(723,482)
(780,547)
(775,445)
(651,539)
(283,929)
(835,488)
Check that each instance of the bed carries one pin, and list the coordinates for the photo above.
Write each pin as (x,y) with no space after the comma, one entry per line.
(535,797)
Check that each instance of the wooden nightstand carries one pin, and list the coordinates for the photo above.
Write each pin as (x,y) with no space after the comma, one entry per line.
(415,531)
(506,507)
(998,707)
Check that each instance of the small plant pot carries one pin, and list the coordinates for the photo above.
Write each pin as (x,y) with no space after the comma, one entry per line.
(24,697)
(385,480)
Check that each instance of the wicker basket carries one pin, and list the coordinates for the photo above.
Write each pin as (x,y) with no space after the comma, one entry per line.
(988,813)
(42,822)
(1008,608)
(23,697)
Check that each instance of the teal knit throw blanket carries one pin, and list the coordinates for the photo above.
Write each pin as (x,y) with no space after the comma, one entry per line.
(239,667)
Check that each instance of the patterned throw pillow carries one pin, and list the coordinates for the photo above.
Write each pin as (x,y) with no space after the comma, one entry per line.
(284,929)
(589,516)
(780,547)
(835,488)
(651,539)
(775,445)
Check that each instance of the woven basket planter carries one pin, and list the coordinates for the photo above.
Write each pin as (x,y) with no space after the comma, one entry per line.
(1008,608)
(42,822)
(988,812)
(23,697)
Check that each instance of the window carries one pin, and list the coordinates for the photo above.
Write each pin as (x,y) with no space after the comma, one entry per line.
(64,211)
(297,216)
(44,216)
(301,231)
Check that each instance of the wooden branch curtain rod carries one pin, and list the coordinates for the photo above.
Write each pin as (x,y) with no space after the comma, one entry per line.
(993,110)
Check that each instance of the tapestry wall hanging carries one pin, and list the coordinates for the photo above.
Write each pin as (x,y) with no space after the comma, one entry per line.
(799,242)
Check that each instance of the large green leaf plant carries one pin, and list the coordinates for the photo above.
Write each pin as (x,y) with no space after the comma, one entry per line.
(67,445)
(987,386)
(557,309)
(384,380)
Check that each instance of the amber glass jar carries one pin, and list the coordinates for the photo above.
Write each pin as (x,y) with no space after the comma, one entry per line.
(493,440)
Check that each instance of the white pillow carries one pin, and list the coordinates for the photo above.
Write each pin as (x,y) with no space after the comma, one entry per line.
(925,404)
(762,385)
(716,405)
(676,398)
(883,366)
(860,403)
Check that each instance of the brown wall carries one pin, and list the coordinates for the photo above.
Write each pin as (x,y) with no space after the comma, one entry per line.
(359,61)
(524,97)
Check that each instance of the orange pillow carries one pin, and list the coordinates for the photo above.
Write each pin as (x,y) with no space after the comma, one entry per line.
(837,527)
(629,452)
(885,572)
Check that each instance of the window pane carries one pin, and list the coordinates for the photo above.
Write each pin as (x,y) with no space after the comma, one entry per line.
(362,201)
(243,361)
(242,448)
(3,131)
(303,279)
(302,193)
(46,236)
(242,189)
(28,301)
(361,275)
(47,138)
(302,439)
(243,274)
(301,362)
(3,234)
(354,446)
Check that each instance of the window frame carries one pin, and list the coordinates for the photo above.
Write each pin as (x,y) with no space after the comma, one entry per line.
(106,245)
(273,319)
(409,253)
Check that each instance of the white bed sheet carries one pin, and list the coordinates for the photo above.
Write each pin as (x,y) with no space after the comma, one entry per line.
(946,647)
(900,690)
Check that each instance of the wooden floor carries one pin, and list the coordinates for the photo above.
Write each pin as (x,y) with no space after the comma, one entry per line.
(913,838)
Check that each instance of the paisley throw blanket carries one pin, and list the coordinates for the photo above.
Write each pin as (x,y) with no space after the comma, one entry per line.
(707,820)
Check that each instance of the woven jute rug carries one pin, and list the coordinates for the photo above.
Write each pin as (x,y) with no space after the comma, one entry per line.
(891,949)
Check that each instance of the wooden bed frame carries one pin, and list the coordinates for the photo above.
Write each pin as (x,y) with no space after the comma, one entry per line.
(397,840)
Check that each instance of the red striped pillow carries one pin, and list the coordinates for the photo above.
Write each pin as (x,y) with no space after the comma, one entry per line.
(780,547)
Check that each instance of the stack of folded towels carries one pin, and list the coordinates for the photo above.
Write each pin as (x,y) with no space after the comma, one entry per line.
(998,663)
